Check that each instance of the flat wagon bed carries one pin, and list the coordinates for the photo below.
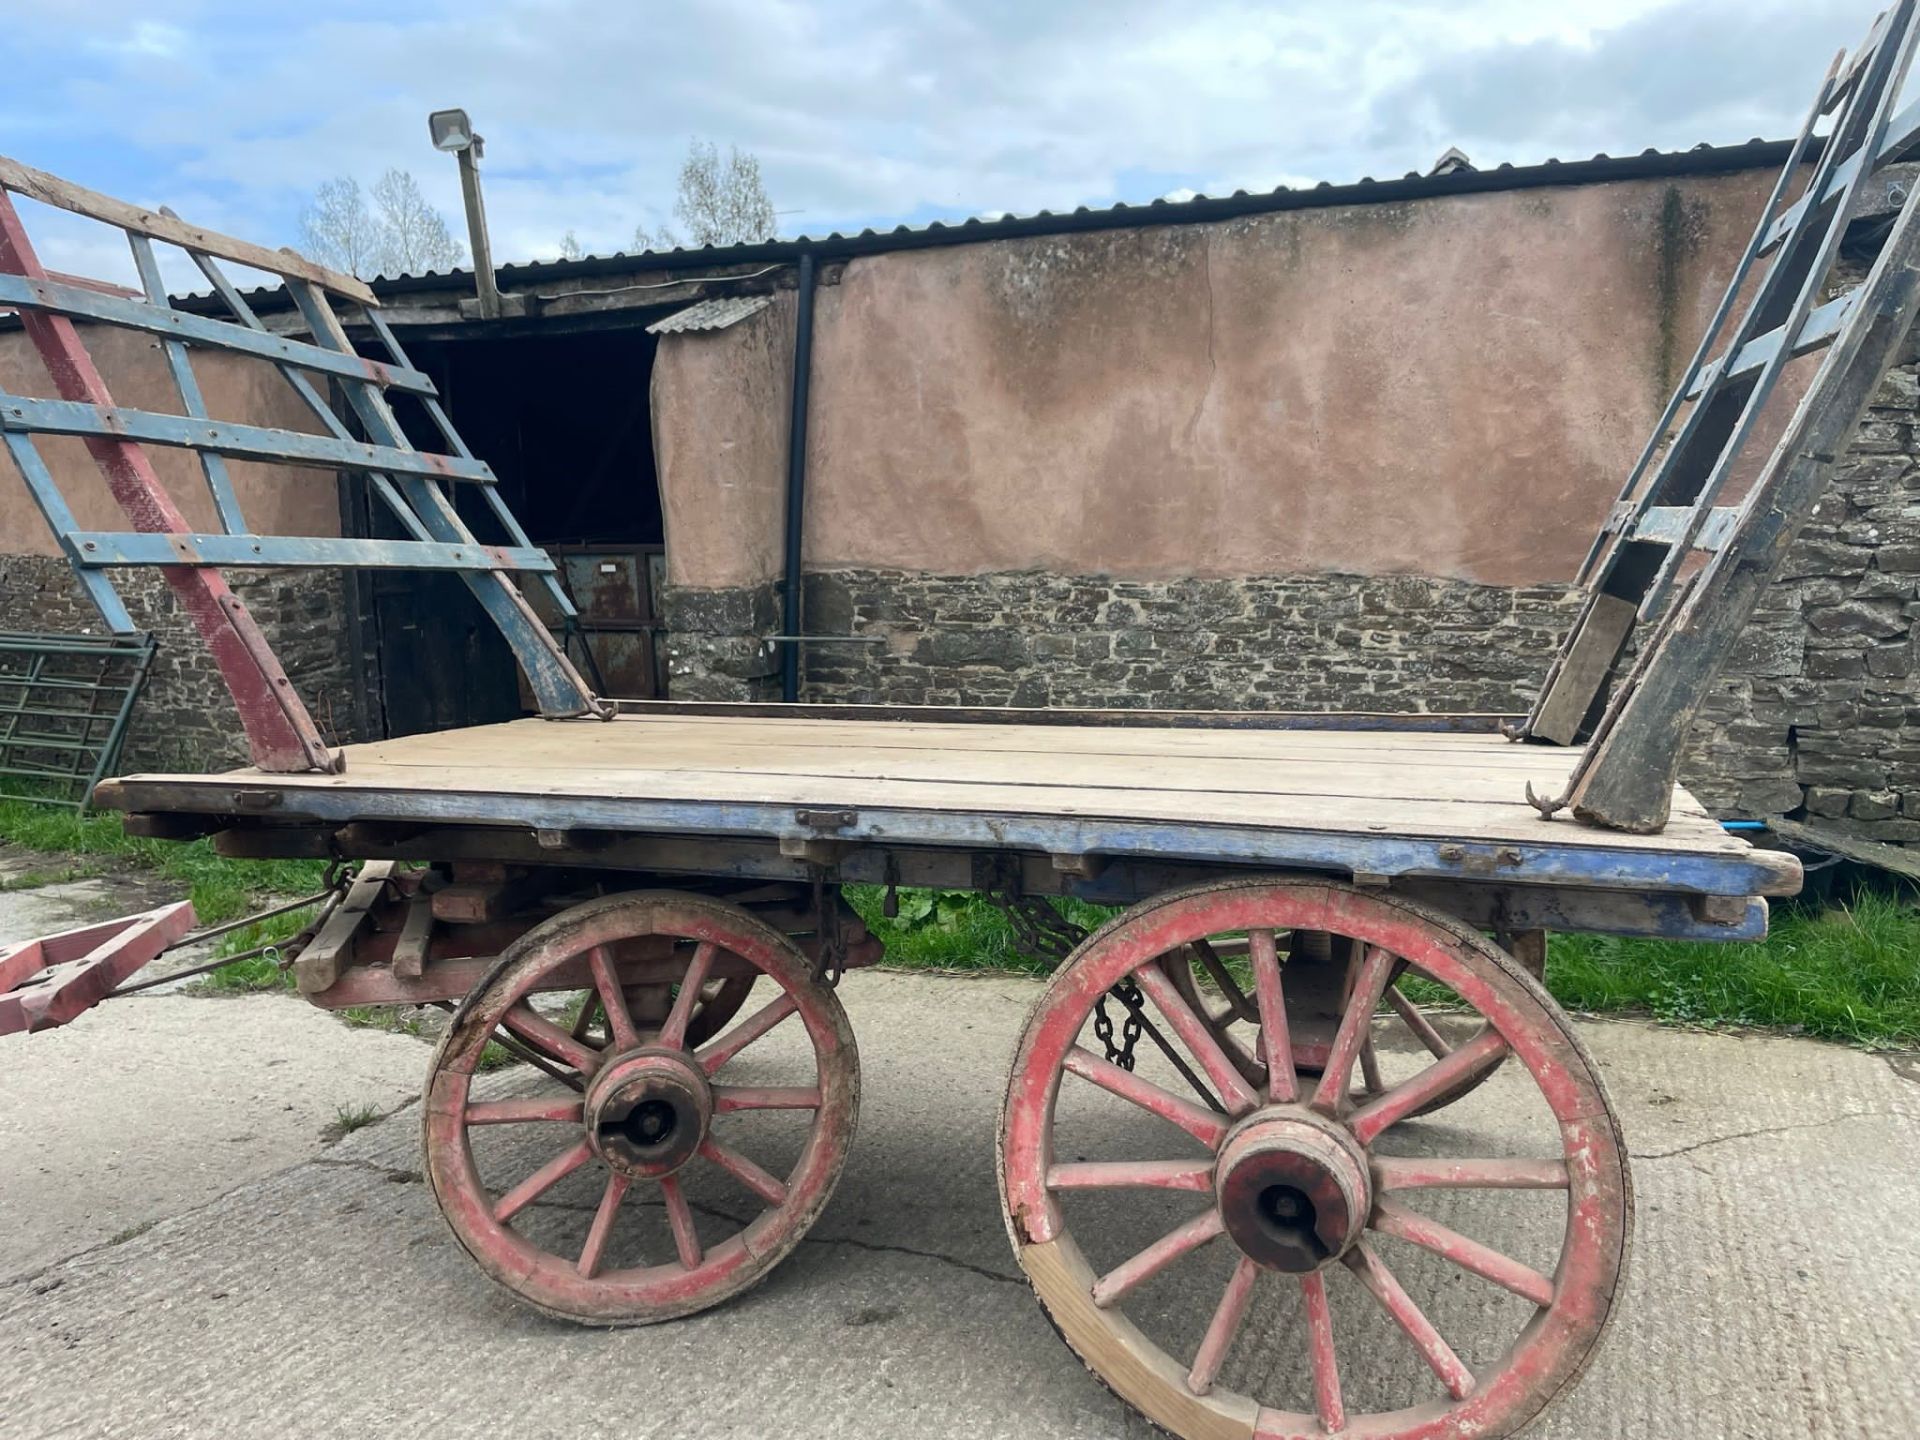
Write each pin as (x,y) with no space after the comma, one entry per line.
(1441,803)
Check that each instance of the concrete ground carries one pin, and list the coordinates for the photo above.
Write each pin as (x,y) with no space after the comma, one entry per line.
(182,1254)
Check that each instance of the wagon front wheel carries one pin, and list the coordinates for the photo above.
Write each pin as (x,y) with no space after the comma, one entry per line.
(626,1172)
(1287,1256)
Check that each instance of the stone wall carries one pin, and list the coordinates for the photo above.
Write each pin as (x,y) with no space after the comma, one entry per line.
(1816,714)
(1324,642)
(185,719)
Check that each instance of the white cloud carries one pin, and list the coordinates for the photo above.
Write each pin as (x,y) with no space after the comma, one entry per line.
(869,111)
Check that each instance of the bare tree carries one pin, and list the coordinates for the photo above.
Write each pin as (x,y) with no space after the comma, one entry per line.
(399,233)
(570,248)
(415,234)
(720,201)
(339,231)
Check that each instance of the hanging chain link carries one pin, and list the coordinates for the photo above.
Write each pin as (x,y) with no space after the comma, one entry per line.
(830,963)
(1042,933)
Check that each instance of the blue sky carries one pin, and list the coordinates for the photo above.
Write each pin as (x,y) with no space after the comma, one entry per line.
(862,112)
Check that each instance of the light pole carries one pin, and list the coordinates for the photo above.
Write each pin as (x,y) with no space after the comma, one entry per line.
(452,130)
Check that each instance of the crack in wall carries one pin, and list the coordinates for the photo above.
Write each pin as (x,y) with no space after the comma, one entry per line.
(1213,364)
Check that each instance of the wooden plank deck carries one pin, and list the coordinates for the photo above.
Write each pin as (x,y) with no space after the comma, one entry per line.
(1371,786)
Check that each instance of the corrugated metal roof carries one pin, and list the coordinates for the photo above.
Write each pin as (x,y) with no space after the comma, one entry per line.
(711,314)
(1702,159)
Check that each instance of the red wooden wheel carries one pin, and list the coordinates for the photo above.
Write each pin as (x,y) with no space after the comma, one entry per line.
(1213,977)
(641,1118)
(1306,1186)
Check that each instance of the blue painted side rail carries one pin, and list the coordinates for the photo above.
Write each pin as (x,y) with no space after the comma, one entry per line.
(239,442)
(100,549)
(77,302)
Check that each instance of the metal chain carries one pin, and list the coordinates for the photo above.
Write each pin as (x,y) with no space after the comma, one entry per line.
(1044,934)
(830,963)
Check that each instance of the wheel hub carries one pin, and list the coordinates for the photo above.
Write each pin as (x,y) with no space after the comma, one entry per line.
(647,1112)
(1294,1189)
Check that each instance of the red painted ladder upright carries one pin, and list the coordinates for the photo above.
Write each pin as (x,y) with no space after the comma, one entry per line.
(281,735)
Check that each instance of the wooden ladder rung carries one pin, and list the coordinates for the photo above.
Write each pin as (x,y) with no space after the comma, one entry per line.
(1816,332)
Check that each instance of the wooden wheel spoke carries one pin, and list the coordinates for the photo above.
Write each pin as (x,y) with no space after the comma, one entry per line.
(1199,1040)
(769,1189)
(1131,1174)
(686,1239)
(1327,1400)
(595,1250)
(1204,1125)
(673,1034)
(1379,1282)
(1392,1218)
(624,1035)
(520,1112)
(1330,1095)
(1393,1172)
(1370,1067)
(1283,1083)
(728,1098)
(1238,1004)
(1110,1287)
(1224,1327)
(549,1039)
(1472,1059)
(584,1020)
(1421,1027)
(713,1056)
(542,1180)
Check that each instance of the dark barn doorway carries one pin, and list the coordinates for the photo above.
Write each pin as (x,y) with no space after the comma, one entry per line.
(563,420)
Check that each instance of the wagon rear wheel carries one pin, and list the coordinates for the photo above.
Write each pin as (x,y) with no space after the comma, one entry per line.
(1215,978)
(1290,1258)
(632,1173)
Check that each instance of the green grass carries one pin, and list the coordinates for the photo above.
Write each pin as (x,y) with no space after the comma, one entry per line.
(347,1119)
(1847,972)
(84,845)
(96,844)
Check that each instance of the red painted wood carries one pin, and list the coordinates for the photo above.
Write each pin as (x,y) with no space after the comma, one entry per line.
(542,1180)
(674,1032)
(1224,1326)
(686,1237)
(1204,1125)
(1395,1172)
(746,1032)
(1283,1084)
(280,733)
(49,982)
(1478,1055)
(1356,1022)
(766,1186)
(1234,1092)
(520,1112)
(1132,1174)
(729,1098)
(595,1250)
(1392,1218)
(1413,1322)
(1183,1240)
(1328,1403)
(594,1281)
(1520,1024)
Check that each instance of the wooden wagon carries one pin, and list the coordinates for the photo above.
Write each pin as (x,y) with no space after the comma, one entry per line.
(1276,1058)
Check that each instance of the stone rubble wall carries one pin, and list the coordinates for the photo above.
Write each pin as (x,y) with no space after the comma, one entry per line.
(184,719)
(1816,714)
